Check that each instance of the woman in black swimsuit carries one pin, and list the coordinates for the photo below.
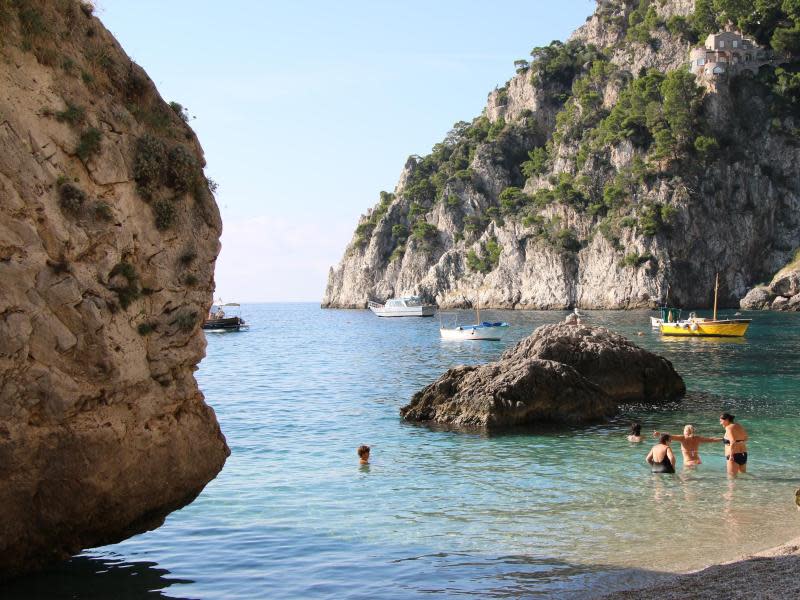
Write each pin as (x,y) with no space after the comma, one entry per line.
(735,439)
(660,457)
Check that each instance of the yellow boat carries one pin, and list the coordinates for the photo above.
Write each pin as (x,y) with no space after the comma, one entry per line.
(699,327)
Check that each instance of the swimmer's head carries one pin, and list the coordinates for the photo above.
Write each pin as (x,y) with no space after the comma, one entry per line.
(665,438)
(688,430)
(636,429)
(727,417)
(363,452)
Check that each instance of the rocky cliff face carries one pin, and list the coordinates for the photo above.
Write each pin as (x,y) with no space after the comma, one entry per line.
(601,176)
(108,238)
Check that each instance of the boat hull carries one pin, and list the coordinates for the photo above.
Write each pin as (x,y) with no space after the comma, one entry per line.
(727,328)
(223,325)
(495,333)
(411,311)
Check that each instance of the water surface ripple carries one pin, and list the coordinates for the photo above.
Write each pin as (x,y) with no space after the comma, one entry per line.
(557,513)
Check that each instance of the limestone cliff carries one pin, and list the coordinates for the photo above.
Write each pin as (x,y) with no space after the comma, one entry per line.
(602,175)
(108,238)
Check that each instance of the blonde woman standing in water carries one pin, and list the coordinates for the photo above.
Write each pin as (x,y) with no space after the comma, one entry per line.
(690,445)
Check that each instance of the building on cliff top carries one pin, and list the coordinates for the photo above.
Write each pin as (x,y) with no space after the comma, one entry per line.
(727,53)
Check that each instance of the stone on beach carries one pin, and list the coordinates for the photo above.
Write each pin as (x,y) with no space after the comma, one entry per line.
(560,374)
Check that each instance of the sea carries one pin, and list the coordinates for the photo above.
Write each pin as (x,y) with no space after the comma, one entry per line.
(558,512)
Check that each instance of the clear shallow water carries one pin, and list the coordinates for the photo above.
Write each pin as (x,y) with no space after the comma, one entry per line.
(560,512)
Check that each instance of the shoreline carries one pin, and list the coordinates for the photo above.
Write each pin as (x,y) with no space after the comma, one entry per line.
(770,573)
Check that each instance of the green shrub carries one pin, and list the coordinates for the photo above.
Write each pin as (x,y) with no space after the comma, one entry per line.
(537,163)
(187,257)
(31,21)
(566,240)
(707,147)
(102,211)
(146,328)
(130,291)
(452,201)
(398,253)
(89,144)
(190,279)
(424,232)
(512,199)
(400,232)
(87,78)
(182,169)
(186,321)
(71,197)
(634,259)
(164,213)
(180,110)
(149,164)
(72,114)
(488,259)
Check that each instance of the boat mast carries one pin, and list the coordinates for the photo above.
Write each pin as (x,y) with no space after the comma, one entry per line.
(716,290)
(477,314)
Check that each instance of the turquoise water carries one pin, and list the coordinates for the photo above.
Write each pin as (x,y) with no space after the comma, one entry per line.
(559,512)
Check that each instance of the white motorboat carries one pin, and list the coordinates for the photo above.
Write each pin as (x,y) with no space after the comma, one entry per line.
(481,330)
(409,306)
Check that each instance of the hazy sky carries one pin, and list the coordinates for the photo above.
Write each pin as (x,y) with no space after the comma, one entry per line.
(307,109)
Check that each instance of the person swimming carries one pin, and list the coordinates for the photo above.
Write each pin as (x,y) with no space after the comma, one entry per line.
(660,457)
(735,440)
(363,455)
(636,433)
(690,445)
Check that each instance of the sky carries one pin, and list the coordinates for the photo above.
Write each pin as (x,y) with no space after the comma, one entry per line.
(307,109)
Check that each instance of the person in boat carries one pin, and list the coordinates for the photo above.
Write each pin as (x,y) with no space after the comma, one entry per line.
(219,314)
(363,455)
(735,440)
(661,457)
(636,433)
(690,445)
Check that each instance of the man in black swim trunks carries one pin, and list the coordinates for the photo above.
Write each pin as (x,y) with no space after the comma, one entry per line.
(735,440)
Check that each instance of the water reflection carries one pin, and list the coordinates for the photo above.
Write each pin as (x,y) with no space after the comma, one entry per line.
(95,578)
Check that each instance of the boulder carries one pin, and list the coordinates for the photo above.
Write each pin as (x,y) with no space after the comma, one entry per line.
(510,393)
(619,367)
(786,284)
(758,298)
(562,373)
(780,303)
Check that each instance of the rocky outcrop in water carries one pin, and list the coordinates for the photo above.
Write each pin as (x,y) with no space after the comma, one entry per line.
(783,293)
(560,374)
(567,192)
(108,238)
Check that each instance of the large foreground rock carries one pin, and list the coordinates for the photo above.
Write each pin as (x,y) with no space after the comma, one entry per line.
(103,287)
(560,374)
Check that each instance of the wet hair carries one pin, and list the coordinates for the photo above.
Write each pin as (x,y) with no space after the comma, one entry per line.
(636,428)
(727,417)
(688,430)
(665,437)
(363,451)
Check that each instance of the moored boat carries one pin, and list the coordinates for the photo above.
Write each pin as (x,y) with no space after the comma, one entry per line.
(218,322)
(480,330)
(700,327)
(408,306)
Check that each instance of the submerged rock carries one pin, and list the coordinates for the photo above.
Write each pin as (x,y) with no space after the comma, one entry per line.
(108,238)
(560,374)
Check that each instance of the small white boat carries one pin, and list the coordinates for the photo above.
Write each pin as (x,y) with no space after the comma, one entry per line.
(410,306)
(482,330)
